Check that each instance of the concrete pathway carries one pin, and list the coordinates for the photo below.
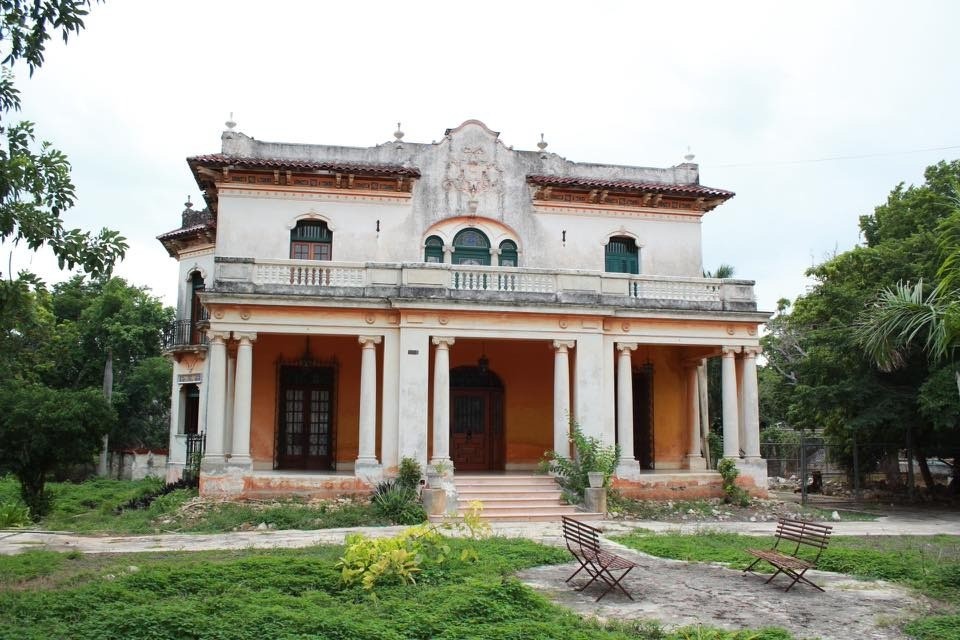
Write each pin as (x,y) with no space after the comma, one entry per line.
(16,541)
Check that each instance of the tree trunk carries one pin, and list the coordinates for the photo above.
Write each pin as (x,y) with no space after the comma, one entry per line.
(890,464)
(925,471)
(703,392)
(102,469)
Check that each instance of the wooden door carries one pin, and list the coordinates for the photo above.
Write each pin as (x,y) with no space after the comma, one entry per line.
(643,416)
(470,430)
(305,434)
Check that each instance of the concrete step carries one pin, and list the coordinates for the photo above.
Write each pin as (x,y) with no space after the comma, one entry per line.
(464,503)
(508,494)
(500,481)
(535,517)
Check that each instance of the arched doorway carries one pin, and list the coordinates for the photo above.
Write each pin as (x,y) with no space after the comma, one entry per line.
(471,246)
(476,419)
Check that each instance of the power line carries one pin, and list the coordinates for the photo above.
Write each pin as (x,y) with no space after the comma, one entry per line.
(772,163)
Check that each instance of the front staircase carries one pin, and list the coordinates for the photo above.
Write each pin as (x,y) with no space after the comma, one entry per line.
(514,498)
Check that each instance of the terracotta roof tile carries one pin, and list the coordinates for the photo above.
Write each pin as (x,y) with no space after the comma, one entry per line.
(184,232)
(680,189)
(220,160)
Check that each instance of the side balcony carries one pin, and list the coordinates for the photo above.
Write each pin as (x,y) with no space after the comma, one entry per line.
(186,335)
(507,285)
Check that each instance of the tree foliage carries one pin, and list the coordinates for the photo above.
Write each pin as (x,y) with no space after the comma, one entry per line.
(43,428)
(35,184)
(817,374)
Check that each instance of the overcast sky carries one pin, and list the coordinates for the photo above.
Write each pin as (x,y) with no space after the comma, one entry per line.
(755,89)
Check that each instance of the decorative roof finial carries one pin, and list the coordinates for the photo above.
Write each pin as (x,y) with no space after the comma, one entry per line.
(188,204)
(689,157)
(542,145)
(398,134)
(230,122)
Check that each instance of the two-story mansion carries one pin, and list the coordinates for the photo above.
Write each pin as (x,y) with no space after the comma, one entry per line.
(341,308)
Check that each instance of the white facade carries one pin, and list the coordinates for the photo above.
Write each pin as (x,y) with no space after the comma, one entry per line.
(412,324)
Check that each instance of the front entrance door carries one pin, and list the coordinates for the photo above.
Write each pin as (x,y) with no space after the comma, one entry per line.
(476,420)
(305,433)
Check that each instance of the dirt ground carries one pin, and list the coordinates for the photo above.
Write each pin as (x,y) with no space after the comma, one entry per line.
(682,593)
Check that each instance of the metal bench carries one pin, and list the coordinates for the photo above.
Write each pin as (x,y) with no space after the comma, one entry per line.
(583,541)
(793,533)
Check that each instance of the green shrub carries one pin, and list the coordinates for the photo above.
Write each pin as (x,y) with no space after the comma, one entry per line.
(590,455)
(398,503)
(13,514)
(409,474)
(732,494)
(372,562)
(935,628)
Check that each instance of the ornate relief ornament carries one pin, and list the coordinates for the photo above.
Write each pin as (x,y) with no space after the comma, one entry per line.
(472,173)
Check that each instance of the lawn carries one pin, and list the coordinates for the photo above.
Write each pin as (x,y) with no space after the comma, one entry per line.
(296,594)
(929,564)
(90,507)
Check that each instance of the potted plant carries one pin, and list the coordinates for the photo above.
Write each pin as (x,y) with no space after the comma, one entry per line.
(596,479)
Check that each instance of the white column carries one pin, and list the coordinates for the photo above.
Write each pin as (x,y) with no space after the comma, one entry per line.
(413,381)
(740,421)
(561,396)
(367,456)
(441,401)
(217,353)
(389,422)
(731,410)
(229,400)
(751,403)
(588,387)
(242,399)
(627,464)
(695,460)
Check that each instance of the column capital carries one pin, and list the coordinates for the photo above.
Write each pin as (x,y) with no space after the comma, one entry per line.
(369,342)
(564,345)
(218,337)
(443,342)
(730,351)
(245,336)
(692,363)
(626,347)
(752,352)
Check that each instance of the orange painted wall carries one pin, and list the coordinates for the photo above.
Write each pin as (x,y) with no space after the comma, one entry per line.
(526,369)
(271,349)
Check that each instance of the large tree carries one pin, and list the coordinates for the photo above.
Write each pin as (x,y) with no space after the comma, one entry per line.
(817,374)
(35,184)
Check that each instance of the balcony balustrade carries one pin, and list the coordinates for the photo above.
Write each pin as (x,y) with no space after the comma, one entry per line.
(477,283)
(185,333)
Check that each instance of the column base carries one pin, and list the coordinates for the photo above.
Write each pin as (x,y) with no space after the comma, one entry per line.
(244,462)
(368,469)
(755,468)
(628,468)
(696,463)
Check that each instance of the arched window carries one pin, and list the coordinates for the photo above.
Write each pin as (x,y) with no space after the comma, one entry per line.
(622,255)
(311,240)
(508,253)
(471,246)
(197,311)
(433,249)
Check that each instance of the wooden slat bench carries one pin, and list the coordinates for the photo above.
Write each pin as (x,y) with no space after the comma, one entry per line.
(583,541)
(796,534)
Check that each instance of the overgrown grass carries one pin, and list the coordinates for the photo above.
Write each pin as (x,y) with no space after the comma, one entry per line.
(705,509)
(297,594)
(89,507)
(929,564)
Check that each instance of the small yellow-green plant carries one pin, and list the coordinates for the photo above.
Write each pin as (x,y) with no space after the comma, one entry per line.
(477,528)
(398,559)
(732,494)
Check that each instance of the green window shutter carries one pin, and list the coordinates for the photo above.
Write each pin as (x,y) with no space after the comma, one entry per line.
(433,250)
(472,247)
(508,253)
(622,255)
(311,240)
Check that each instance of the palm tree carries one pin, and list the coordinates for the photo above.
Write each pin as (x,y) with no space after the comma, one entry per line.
(724,270)
(903,319)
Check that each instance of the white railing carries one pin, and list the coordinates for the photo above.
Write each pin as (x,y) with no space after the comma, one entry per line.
(667,288)
(309,273)
(313,274)
(509,279)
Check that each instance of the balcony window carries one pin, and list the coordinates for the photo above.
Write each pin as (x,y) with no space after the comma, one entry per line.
(471,246)
(311,240)
(622,255)
(508,253)
(433,250)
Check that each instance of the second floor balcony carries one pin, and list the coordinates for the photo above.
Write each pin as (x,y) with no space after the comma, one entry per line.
(186,334)
(512,285)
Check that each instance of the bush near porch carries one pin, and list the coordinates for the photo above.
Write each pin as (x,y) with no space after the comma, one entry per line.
(297,594)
